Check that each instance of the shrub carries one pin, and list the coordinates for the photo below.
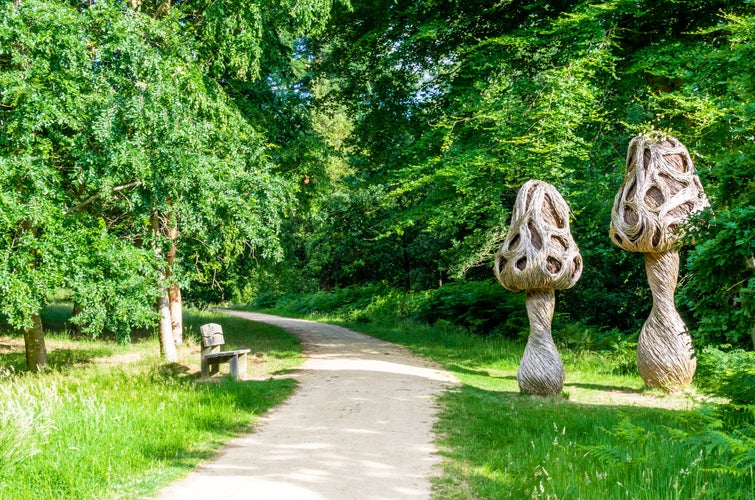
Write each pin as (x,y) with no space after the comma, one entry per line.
(720,292)
(483,307)
(344,300)
(730,374)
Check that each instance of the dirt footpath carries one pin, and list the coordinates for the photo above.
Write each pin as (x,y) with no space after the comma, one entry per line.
(357,427)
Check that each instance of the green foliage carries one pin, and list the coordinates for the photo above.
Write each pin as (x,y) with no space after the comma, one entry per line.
(578,336)
(482,307)
(721,290)
(39,130)
(382,146)
(237,38)
(612,292)
(453,106)
(109,117)
(340,300)
(720,449)
(466,119)
(727,373)
(112,283)
(346,246)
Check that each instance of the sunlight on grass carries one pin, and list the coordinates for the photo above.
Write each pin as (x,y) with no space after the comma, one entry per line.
(112,421)
(504,445)
(605,437)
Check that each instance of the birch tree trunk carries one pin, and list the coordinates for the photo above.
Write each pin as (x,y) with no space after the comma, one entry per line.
(167,343)
(176,313)
(34,340)
(174,291)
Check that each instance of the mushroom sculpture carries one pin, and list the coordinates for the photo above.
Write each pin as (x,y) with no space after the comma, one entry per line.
(539,256)
(659,193)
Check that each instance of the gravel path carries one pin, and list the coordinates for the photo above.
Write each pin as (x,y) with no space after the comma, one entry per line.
(358,426)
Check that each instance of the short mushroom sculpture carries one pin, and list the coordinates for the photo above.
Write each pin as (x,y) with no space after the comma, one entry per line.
(539,256)
(659,193)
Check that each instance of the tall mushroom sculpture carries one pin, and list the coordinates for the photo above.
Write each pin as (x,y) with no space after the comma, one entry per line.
(539,256)
(659,193)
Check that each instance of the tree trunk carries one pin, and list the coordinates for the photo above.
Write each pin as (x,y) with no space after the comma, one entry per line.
(73,326)
(170,230)
(751,265)
(167,344)
(176,313)
(34,339)
(163,9)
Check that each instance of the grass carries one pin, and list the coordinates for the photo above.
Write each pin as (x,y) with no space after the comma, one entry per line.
(607,437)
(502,445)
(112,421)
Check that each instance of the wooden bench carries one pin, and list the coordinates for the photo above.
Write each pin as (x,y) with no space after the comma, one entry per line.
(212,356)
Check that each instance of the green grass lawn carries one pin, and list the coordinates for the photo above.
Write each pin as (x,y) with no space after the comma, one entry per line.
(606,438)
(111,421)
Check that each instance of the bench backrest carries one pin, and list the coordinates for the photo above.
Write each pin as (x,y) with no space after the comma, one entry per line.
(212,336)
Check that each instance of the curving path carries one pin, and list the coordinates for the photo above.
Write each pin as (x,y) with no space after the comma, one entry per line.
(358,426)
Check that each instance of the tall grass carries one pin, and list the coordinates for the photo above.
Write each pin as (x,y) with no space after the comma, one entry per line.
(502,445)
(113,422)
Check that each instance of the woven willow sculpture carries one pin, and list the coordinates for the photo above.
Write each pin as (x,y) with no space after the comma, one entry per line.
(659,192)
(539,256)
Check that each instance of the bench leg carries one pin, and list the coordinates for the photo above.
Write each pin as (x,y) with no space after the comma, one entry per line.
(205,368)
(233,364)
(242,365)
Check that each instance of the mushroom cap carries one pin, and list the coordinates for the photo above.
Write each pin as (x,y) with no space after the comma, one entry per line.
(538,251)
(659,192)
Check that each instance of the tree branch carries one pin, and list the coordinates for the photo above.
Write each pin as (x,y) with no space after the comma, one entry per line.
(95,197)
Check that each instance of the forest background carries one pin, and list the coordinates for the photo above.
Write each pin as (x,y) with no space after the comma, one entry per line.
(208,152)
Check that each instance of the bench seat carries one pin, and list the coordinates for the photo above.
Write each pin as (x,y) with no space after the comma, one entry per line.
(212,357)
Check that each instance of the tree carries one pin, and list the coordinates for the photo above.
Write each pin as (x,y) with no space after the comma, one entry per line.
(43,109)
(720,291)
(456,105)
(120,154)
(196,169)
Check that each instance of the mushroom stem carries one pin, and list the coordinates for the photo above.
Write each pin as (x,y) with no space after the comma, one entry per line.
(665,356)
(541,371)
